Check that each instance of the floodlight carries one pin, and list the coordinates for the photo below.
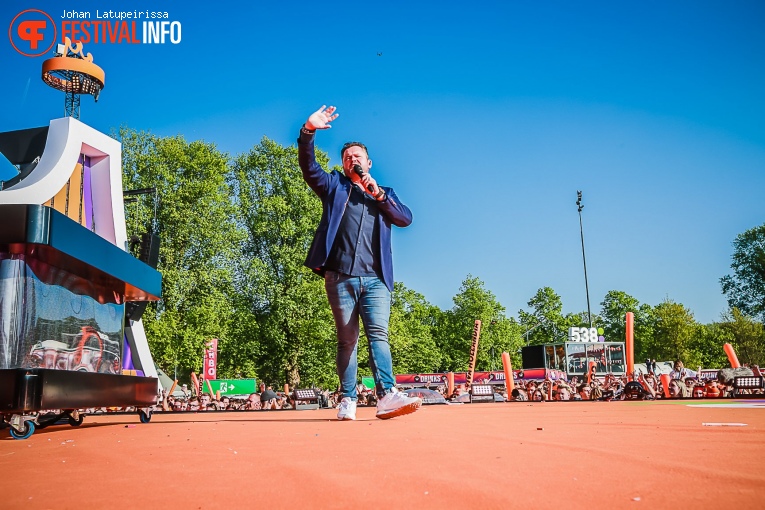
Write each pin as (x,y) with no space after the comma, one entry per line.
(747,382)
(73,72)
(482,393)
(306,398)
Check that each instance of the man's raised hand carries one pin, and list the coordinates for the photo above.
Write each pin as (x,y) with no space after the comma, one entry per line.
(321,118)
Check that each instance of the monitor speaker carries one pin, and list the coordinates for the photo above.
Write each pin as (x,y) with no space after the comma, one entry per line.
(533,356)
(149,251)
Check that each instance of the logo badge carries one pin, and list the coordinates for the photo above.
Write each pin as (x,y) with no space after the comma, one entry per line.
(32,33)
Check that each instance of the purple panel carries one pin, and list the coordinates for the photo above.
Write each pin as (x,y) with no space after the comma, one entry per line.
(127,356)
(87,195)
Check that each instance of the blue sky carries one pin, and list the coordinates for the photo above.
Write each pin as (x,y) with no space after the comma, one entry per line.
(486,117)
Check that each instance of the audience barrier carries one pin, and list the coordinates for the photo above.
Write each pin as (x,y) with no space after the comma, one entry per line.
(608,388)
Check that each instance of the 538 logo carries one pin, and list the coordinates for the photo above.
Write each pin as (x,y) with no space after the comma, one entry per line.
(32,33)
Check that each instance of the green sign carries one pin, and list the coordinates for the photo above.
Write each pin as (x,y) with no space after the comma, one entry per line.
(233,386)
(369,382)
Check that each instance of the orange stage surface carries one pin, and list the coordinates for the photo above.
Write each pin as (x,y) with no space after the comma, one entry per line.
(566,455)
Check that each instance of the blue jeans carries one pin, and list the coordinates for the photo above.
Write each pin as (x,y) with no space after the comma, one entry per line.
(368,297)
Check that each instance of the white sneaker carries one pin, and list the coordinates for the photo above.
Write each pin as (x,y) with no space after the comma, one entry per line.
(396,403)
(347,409)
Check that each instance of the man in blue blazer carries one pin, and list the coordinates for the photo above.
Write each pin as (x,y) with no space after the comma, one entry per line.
(352,251)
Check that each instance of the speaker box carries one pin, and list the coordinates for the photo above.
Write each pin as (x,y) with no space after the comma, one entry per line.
(149,252)
(533,356)
(134,310)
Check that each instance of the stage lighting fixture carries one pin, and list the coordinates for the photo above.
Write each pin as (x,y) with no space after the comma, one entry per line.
(747,383)
(306,398)
(482,393)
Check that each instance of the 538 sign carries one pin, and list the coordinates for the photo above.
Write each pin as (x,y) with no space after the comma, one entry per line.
(582,334)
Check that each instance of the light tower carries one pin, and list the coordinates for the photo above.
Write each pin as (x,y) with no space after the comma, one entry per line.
(580,206)
(74,73)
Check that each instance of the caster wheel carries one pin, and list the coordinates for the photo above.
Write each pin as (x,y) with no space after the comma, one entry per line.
(145,417)
(26,432)
(77,422)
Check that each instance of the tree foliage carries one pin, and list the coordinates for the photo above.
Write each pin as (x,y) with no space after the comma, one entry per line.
(411,332)
(746,335)
(674,330)
(196,225)
(279,214)
(614,308)
(546,322)
(745,288)
(455,329)
(707,346)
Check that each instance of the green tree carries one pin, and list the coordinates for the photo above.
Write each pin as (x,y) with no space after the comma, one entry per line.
(295,332)
(707,346)
(195,222)
(747,336)
(674,331)
(614,308)
(454,330)
(411,332)
(745,288)
(546,322)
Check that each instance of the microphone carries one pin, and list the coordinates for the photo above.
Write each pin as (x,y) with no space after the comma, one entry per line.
(361,173)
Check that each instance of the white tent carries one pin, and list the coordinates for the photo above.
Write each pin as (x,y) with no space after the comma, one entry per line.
(167,383)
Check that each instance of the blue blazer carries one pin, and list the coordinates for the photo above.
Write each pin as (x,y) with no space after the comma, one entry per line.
(334,190)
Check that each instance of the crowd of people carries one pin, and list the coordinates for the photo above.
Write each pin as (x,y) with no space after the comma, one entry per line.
(682,383)
(644,386)
(264,400)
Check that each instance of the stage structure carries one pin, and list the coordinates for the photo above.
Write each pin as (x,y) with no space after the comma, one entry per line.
(73,72)
(66,274)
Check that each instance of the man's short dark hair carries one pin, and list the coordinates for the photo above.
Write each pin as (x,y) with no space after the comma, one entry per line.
(348,145)
(520,395)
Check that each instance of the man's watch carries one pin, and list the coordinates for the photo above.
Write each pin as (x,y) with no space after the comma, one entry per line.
(306,130)
(380,195)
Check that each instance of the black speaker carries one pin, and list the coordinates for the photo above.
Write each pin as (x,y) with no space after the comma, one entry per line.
(149,252)
(533,356)
(134,310)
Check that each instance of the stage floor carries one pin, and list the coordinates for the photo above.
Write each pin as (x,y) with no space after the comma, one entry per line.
(566,455)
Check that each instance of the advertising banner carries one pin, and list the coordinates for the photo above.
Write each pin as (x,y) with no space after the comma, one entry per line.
(490,377)
(211,360)
(424,379)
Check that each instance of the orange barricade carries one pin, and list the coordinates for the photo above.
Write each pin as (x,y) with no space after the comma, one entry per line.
(195,382)
(630,344)
(172,388)
(508,367)
(665,383)
(728,348)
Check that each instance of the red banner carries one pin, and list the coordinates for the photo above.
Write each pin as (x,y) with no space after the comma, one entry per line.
(494,377)
(426,379)
(210,370)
